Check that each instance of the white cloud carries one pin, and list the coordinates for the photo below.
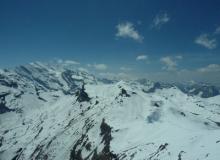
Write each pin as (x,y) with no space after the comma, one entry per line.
(125,69)
(59,60)
(217,31)
(179,57)
(207,41)
(127,30)
(141,57)
(83,69)
(170,64)
(160,19)
(100,66)
(70,62)
(210,68)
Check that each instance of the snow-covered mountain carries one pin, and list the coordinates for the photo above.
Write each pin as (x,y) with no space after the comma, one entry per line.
(54,112)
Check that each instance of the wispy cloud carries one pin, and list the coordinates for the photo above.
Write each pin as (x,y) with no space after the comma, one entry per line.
(141,57)
(170,64)
(67,62)
(83,69)
(160,19)
(217,30)
(70,62)
(125,69)
(127,30)
(179,57)
(207,41)
(210,68)
(100,66)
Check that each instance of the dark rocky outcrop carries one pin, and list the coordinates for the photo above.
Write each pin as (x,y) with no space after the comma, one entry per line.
(5,81)
(157,153)
(82,96)
(18,154)
(106,154)
(38,153)
(183,114)
(1,141)
(67,76)
(82,143)
(38,132)
(76,154)
(124,93)
(106,134)
(3,107)
(157,103)
(180,155)
(217,123)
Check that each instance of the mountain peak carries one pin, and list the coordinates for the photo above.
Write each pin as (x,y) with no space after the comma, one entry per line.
(54,112)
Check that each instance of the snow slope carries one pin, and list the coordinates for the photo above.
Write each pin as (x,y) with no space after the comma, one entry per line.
(49,112)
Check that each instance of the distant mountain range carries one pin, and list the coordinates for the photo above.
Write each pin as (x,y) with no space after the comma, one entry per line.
(50,111)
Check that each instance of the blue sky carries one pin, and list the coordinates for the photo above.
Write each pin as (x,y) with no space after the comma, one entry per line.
(153,38)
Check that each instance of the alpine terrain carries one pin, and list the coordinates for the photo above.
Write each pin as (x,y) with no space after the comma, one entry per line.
(53,112)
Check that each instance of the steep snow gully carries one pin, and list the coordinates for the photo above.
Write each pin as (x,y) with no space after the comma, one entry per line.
(53,112)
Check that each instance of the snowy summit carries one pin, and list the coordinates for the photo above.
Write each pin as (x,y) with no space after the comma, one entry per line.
(51,112)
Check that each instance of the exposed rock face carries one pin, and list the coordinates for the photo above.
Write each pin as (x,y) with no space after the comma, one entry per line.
(3,107)
(82,96)
(106,139)
(6,81)
(124,93)
(67,76)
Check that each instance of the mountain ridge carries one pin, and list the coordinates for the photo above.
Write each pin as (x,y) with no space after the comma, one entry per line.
(50,112)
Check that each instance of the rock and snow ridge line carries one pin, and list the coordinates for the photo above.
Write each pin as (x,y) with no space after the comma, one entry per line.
(54,114)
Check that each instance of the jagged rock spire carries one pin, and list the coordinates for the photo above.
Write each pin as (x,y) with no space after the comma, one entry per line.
(82,96)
